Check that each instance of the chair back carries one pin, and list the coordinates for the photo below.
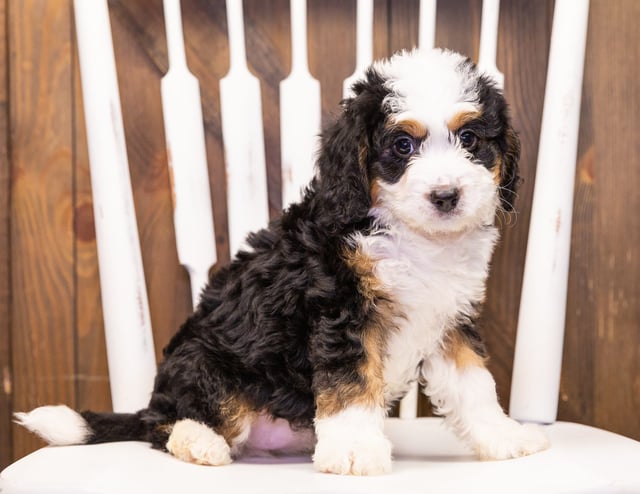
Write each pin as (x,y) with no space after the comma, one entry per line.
(126,310)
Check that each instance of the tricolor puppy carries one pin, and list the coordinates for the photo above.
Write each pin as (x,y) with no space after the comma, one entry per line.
(371,283)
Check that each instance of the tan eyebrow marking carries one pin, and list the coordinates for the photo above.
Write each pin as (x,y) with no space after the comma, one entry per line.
(410,126)
(461,119)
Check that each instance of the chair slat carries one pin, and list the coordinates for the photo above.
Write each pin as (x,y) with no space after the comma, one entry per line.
(187,158)
(427,26)
(489,40)
(409,404)
(581,458)
(242,131)
(300,112)
(241,114)
(538,352)
(131,354)
(364,44)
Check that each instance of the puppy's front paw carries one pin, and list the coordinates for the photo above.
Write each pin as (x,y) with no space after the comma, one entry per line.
(509,439)
(361,455)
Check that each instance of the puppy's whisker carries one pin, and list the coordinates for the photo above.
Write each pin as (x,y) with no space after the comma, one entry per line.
(510,215)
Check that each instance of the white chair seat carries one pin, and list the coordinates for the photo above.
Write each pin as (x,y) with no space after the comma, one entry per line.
(428,458)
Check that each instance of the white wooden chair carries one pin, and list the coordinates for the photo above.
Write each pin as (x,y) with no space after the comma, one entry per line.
(427,456)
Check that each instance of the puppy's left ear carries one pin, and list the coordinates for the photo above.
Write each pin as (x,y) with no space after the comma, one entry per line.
(509,177)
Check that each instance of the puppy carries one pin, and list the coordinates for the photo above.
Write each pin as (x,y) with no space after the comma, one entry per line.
(371,283)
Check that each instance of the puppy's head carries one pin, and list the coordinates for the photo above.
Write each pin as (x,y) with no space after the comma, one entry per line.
(435,148)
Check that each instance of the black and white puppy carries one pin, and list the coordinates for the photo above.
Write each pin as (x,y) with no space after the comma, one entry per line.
(371,283)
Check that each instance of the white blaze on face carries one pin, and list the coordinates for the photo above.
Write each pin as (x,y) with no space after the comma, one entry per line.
(434,89)
(438,170)
(431,86)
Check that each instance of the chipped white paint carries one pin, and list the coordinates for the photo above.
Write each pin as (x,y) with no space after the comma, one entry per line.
(538,354)
(489,41)
(242,132)
(299,112)
(187,158)
(427,27)
(364,44)
(131,354)
(409,404)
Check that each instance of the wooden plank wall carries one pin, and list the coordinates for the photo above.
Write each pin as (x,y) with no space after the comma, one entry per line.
(6,443)
(51,335)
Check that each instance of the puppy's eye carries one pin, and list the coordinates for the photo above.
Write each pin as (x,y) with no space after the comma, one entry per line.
(403,147)
(468,140)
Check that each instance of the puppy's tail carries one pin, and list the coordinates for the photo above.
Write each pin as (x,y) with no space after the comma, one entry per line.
(61,426)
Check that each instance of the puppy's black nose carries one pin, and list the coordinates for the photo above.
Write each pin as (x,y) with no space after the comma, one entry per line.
(445,200)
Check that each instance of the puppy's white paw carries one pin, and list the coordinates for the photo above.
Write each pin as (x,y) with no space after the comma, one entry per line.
(352,442)
(508,439)
(194,442)
(360,455)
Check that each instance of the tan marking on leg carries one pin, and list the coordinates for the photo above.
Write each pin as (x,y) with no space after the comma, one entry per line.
(350,413)
(458,350)
(237,418)
(165,429)
(366,389)
(375,344)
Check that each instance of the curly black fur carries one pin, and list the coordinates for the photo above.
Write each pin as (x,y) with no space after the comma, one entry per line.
(283,322)
(269,327)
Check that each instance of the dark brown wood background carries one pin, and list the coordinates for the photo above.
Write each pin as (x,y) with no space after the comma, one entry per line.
(51,335)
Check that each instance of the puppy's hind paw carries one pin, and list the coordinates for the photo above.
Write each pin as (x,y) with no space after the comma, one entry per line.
(194,442)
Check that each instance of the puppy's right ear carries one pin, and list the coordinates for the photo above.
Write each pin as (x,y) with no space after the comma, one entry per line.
(509,176)
(343,161)
(342,181)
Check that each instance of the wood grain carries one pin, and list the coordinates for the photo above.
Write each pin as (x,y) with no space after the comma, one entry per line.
(611,69)
(42,253)
(332,36)
(458,26)
(205,27)
(402,25)
(267,27)
(6,391)
(167,281)
(92,382)
(577,383)
(51,334)
(523,46)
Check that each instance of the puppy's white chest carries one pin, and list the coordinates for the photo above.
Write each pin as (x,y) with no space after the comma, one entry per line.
(432,282)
